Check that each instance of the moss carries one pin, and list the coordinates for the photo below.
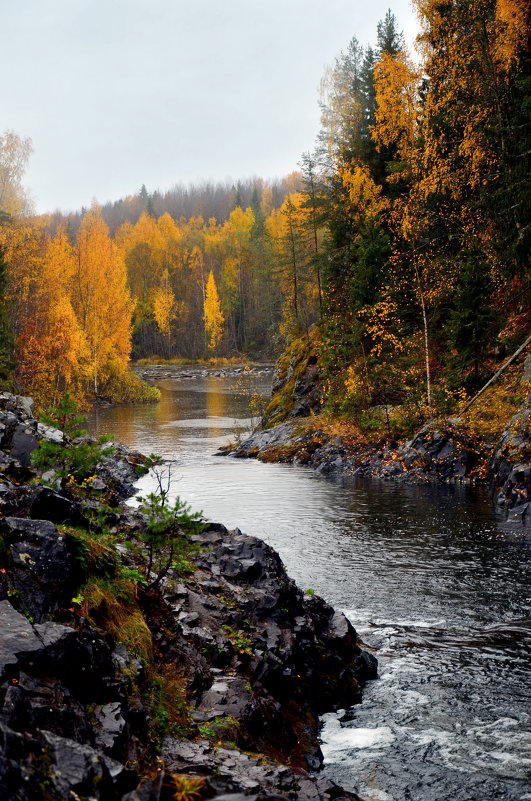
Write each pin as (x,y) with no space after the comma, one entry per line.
(239,640)
(291,368)
(167,698)
(280,453)
(220,729)
(94,555)
(111,605)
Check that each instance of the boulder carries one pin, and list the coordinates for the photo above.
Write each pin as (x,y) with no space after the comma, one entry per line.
(42,568)
(57,506)
(17,637)
(230,774)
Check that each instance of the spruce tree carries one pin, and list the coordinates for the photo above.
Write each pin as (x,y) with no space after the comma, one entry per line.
(388,38)
(472,319)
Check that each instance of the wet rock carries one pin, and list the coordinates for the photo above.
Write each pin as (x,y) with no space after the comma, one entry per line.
(259,441)
(509,479)
(23,442)
(111,726)
(42,565)
(17,405)
(77,768)
(288,658)
(17,637)
(121,471)
(57,506)
(50,434)
(257,661)
(234,775)
(296,388)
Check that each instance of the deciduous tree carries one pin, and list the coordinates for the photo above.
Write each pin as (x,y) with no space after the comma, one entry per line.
(213,315)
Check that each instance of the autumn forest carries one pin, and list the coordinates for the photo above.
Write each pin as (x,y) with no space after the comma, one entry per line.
(401,244)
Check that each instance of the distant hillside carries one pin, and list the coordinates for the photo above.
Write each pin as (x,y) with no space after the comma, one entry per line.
(206,200)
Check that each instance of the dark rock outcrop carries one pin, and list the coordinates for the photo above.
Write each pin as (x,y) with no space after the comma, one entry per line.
(257,659)
(298,656)
(434,454)
(20,434)
(51,676)
(238,776)
(43,575)
(296,390)
(261,661)
(509,477)
(446,452)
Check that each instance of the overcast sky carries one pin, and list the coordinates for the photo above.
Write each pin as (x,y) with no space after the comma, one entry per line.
(117,93)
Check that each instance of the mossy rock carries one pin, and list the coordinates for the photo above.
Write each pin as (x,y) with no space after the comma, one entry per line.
(296,384)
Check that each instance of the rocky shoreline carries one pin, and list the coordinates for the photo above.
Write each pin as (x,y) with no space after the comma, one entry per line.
(219,694)
(442,452)
(150,372)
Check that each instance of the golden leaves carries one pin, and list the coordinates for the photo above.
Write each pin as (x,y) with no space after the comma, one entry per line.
(513,21)
(213,316)
(396,80)
(365,195)
(164,309)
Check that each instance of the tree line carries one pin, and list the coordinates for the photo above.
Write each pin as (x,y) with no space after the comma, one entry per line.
(83,302)
(404,236)
(424,189)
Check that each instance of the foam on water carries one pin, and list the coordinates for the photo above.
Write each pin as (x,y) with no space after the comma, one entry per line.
(436,586)
(335,738)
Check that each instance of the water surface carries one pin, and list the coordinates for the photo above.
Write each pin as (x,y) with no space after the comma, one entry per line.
(436,585)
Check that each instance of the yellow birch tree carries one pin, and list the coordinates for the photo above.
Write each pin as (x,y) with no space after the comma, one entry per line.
(213,315)
(101,299)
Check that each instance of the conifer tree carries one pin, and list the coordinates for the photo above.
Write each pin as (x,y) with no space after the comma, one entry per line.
(472,319)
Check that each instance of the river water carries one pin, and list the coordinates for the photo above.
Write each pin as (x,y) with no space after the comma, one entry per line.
(436,585)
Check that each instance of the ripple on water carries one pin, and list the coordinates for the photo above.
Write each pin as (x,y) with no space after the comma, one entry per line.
(437,588)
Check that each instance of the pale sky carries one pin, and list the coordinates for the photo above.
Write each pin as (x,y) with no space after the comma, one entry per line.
(119,93)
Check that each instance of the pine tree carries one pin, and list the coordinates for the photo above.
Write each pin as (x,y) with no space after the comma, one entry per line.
(388,39)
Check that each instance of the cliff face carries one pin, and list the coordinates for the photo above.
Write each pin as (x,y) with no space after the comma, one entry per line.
(209,683)
(296,390)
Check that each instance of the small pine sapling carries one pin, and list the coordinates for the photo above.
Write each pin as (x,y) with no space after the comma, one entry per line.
(169,526)
(74,459)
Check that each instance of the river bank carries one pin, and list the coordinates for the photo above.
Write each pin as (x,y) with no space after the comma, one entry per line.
(208,682)
(445,449)
(436,454)
(435,583)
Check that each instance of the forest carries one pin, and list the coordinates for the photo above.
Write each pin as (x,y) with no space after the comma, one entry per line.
(400,246)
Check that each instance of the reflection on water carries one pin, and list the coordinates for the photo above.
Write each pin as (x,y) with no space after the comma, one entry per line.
(433,584)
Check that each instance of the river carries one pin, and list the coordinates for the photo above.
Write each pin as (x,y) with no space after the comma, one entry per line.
(436,585)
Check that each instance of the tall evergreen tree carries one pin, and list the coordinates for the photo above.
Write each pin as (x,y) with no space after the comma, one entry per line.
(388,38)
(472,320)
